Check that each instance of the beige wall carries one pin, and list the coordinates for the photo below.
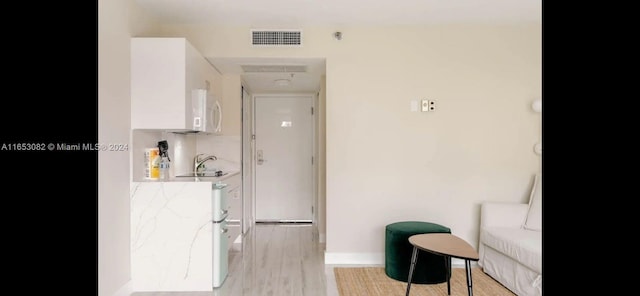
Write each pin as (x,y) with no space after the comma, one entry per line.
(118,20)
(386,164)
(232,105)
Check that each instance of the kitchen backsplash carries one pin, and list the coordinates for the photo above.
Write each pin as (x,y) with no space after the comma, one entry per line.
(183,148)
(226,148)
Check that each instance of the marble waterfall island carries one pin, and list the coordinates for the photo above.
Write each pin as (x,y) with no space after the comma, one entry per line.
(171,239)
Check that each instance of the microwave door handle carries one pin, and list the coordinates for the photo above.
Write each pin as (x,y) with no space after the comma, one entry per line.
(219,124)
(211,118)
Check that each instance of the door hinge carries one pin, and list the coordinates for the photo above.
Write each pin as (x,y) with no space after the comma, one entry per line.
(253,137)
(311,209)
(311,110)
(311,160)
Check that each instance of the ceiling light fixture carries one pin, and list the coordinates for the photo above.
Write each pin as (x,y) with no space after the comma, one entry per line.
(282,82)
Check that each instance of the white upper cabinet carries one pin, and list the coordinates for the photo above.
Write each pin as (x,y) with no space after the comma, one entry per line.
(164,74)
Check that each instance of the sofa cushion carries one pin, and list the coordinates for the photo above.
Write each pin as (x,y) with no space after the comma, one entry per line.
(534,216)
(524,246)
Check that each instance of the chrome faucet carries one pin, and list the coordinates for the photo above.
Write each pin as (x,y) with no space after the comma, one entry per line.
(197,162)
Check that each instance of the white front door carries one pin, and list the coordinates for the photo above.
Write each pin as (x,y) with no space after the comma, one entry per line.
(284,151)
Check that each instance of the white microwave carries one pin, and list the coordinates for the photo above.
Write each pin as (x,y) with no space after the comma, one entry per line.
(207,112)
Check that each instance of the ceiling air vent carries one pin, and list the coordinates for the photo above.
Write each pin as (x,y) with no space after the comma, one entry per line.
(276,38)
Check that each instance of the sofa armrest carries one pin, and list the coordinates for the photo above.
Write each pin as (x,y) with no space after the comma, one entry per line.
(503,214)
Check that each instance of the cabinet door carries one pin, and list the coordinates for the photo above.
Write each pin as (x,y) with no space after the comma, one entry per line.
(157,83)
(195,78)
(234,187)
(164,71)
(234,219)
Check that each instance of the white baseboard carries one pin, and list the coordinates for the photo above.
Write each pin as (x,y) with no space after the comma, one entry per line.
(322,238)
(459,263)
(373,259)
(354,258)
(125,290)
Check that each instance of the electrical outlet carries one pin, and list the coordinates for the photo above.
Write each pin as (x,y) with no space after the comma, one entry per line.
(428,105)
(432,105)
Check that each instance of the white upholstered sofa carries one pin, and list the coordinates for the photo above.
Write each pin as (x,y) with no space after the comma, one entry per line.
(510,245)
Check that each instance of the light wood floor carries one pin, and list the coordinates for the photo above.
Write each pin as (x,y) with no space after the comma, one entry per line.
(274,260)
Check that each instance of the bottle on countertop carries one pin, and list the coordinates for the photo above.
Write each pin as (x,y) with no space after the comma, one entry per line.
(164,169)
(163,148)
(151,163)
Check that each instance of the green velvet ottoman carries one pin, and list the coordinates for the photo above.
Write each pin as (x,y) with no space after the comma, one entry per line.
(429,269)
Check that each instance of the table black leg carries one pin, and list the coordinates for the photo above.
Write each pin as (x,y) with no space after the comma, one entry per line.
(414,258)
(467,266)
(447,266)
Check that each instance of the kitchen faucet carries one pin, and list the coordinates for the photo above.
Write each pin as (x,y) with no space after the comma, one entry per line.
(197,162)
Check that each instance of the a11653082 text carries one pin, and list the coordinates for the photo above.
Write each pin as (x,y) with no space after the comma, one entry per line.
(63,147)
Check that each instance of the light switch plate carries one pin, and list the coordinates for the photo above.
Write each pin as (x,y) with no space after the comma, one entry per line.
(414,106)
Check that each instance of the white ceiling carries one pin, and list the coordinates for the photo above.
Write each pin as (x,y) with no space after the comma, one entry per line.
(294,14)
(307,82)
(281,13)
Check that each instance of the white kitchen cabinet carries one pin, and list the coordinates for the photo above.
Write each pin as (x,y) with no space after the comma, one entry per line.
(164,71)
(235,223)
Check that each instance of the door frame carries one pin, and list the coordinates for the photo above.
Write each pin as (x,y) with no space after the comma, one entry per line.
(314,143)
(248,208)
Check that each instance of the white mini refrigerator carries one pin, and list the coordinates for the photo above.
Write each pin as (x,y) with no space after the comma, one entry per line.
(220,236)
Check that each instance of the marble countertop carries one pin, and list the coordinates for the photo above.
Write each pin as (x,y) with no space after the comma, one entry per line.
(196,179)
